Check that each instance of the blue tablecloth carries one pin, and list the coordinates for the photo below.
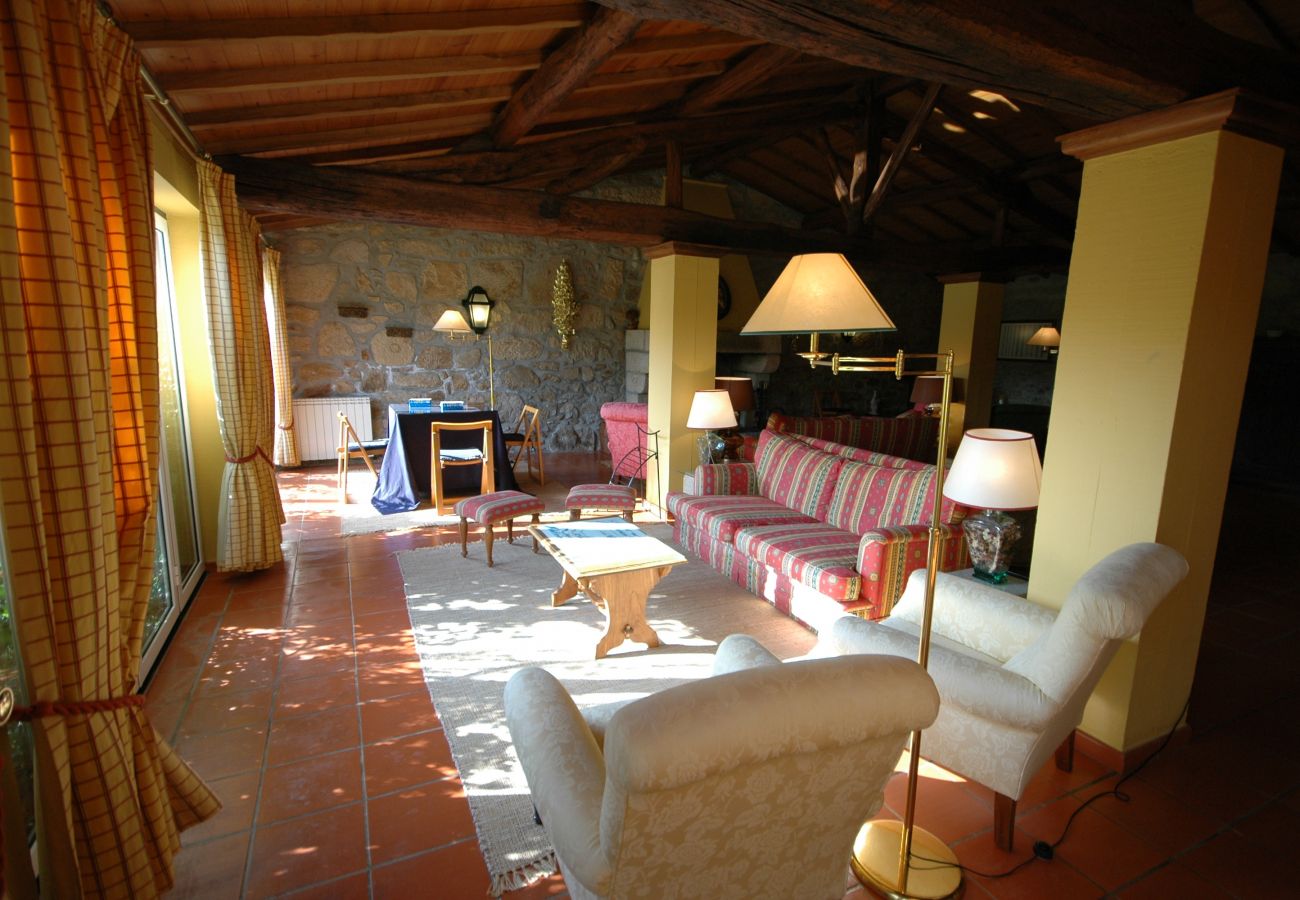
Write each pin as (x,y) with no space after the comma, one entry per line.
(404,476)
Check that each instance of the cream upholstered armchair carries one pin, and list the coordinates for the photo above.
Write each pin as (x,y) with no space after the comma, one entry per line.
(751,783)
(1014,675)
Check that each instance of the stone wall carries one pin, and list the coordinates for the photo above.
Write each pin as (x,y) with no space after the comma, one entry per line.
(402,278)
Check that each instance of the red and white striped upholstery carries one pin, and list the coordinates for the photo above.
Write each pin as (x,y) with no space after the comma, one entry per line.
(601,496)
(488,509)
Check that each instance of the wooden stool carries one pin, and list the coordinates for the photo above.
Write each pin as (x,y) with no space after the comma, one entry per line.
(617,497)
(491,509)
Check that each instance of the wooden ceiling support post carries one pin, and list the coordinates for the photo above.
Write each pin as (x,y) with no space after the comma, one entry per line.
(673,191)
(841,186)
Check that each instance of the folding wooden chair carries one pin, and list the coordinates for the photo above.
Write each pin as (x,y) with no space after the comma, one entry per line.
(350,445)
(527,440)
(442,457)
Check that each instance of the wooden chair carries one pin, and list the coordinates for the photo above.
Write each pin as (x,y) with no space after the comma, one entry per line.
(527,441)
(350,445)
(442,458)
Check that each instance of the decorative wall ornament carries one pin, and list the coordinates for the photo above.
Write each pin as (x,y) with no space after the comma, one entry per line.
(563,303)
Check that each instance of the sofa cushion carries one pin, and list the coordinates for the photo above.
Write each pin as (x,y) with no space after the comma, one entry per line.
(721,516)
(796,475)
(867,497)
(857,454)
(814,554)
(911,437)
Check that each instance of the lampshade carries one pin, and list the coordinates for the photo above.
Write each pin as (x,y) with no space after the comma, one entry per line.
(451,320)
(711,410)
(479,305)
(741,391)
(995,468)
(928,389)
(818,292)
(1047,336)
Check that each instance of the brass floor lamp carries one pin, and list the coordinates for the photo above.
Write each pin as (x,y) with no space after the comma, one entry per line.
(821,293)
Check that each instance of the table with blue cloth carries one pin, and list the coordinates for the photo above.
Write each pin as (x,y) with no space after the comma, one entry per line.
(404,476)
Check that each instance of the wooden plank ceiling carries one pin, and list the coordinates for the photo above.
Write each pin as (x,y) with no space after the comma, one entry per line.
(933,131)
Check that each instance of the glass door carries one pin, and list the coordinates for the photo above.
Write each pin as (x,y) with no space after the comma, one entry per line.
(178,564)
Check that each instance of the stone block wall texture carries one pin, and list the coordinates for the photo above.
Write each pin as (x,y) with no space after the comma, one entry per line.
(404,277)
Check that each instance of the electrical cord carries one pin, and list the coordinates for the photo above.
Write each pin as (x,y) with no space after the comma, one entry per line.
(1042,849)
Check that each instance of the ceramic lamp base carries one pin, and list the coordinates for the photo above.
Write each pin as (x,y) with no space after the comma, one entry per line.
(990,537)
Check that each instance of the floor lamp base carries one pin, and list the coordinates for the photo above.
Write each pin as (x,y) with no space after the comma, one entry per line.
(875,863)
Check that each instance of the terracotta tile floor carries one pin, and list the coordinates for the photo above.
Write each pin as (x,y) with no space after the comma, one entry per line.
(297,693)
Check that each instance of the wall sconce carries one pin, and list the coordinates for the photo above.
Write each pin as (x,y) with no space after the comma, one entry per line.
(479,306)
(564,306)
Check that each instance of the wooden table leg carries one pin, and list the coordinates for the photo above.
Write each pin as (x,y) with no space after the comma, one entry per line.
(567,590)
(625,594)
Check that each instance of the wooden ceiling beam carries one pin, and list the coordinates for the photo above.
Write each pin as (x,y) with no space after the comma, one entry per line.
(370,135)
(600,169)
(563,71)
(158,34)
(324,109)
(901,149)
(1098,60)
(753,69)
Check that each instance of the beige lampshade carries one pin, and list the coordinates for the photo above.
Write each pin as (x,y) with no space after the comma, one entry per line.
(451,320)
(1047,336)
(995,468)
(711,410)
(928,389)
(740,389)
(818,292)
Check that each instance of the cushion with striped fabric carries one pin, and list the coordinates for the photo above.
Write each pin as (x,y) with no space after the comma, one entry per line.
(857,454)
(601,496)
(795,475)
(488,509)
(910,437)
(817,555)
(867,497)
(721,515)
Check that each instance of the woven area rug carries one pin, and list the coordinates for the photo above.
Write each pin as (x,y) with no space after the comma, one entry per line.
(475,626)
(362,518)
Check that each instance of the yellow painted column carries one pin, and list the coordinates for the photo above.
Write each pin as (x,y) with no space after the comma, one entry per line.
(683,351)
(969,327)
(1165,279)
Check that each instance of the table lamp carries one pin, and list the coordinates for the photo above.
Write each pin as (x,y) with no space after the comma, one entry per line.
(995,470)
(711,411)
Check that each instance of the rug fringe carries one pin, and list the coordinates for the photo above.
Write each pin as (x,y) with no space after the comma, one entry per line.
(517,879)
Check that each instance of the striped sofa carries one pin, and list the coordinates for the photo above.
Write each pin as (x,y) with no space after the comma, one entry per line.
(816,528)
(909,436)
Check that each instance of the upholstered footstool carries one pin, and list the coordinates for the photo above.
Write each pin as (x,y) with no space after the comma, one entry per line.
(492,509)
(617,497)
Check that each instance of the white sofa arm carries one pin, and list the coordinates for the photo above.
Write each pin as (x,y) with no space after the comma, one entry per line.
(564,767)
(993,622)
(966,682)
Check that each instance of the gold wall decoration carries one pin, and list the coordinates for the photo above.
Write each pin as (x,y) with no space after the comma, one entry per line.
(563,303)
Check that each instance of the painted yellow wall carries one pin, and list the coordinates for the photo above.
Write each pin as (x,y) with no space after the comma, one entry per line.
(1165,280)
(969,327)
(176,194)
(683,349)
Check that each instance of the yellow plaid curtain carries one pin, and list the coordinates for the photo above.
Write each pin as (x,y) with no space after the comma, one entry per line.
(248,526)
(286,441)
(79,406)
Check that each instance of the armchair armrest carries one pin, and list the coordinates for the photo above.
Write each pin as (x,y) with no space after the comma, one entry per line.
(889,554)
(974,615)
(740,651)
(564,767)
(969,683)
(731,478)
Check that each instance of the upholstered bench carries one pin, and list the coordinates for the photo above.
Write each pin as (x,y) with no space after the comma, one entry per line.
(492,509)
(617,497)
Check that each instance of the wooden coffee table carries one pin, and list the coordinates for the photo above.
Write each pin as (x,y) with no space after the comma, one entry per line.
(614,563)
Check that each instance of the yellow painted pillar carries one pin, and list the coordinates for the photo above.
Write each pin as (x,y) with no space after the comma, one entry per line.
(683,350)
(1165,278)
(969,327)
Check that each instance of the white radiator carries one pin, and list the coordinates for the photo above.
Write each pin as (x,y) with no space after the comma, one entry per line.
(316,423)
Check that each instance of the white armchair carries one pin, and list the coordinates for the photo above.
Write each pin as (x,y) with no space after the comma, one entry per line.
(751,783)
(1014,676)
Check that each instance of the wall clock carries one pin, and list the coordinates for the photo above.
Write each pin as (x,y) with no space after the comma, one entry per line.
(724,297)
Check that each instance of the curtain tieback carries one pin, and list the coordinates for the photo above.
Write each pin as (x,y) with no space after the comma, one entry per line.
(239,460)
(45,708)
(285,427)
